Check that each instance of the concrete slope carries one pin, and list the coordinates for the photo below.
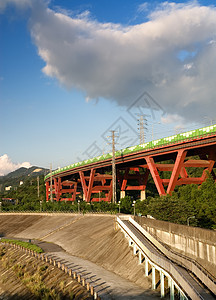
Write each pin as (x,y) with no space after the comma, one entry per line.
(11,224)
(91,237)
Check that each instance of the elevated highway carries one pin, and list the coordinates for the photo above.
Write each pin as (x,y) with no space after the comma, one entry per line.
(172,154)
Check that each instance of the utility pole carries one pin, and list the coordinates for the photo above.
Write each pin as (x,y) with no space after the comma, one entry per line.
(113,166)
(38,186)
(51,194)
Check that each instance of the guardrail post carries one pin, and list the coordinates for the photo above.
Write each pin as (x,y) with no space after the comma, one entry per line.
(130,242)
(63,267)
(91,290)
(140,257)
(134,249)
(95,295)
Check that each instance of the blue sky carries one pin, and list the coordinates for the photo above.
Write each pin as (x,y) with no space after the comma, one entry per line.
(72,70)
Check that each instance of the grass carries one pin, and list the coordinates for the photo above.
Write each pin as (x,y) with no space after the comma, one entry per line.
(26,245)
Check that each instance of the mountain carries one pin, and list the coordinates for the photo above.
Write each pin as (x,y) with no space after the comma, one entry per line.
(21,174)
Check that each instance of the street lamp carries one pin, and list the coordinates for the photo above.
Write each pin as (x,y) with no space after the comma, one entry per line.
(134,205)
(188,223)
(119,203)
(78,206)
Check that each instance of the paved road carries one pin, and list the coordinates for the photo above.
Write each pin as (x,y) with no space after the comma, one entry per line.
(107,284)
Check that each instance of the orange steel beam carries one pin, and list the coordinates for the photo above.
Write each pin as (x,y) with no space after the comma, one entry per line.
(47,191)
(100,188)
(155,175)
(91,181)
(83,183)
(176,170)
(209,169)
(204,147)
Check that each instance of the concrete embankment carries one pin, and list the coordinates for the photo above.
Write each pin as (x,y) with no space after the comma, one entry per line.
(91,237)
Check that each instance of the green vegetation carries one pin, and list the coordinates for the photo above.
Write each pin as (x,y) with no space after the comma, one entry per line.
(186,201)
(40,279)
(26,245)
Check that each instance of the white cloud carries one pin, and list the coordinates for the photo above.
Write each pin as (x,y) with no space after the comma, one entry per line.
(18,3)
(168,119)
(7,166)
(121,62)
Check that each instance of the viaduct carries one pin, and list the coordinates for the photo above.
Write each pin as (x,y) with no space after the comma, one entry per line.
(173,154)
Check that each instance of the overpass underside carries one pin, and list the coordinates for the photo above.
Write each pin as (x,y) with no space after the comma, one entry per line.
(169,166)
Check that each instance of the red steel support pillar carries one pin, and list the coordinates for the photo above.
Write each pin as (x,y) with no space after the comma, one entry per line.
(91,181)
(74,192)
(155,175)
(59,189)
(47,191)
(176,170)
(211,159)
(84,186)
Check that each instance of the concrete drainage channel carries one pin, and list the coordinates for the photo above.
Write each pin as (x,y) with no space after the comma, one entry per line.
(83,280)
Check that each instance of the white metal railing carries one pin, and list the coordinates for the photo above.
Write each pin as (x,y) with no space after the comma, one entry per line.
(157,261)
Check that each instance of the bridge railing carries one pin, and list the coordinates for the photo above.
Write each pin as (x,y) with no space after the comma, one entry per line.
(181,259)
(163,265)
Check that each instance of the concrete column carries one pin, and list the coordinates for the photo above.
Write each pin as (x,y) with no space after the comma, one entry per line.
(134,249)
(153,278)
(143,195)
(146,266)
(140,257)
(172,294)
(122,194)
(162,285)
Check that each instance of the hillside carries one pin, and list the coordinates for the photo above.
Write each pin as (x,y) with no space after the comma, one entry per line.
(21,174)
